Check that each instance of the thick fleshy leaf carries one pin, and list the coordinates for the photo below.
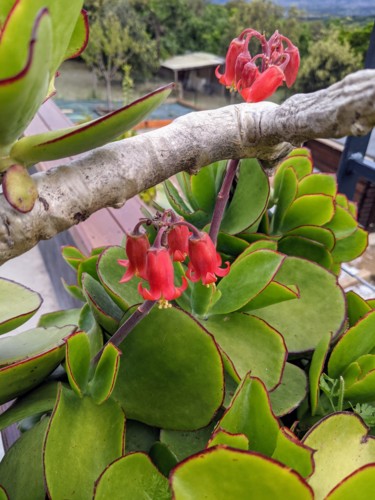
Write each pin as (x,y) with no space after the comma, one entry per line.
(310,209)
(230,245)
(359,380)
(322,235)
(317,184)
(357,341)
(3,494)
(72,256)
(28,357)
(299,246)
(186,443)
(19,188)
(359,484)
(316,370)
(357,307)
(199,217)
(83,438)
(60,318)
(248,344)
(302,166)
(81,138)
(164,459)
(221,473)
(302,322)
(340,456)
(203,189)
(77,361)
(300,152)
(88,324)
(74,291)
(202,298)
(24,74)
(238,441)
(247,277)
(140,437)
(135,477)
(285,196)
(105,375)
(87,266)
(291,392)
(342,224)
(184,182)
(79,38)
(250,414)
(273,294)
(40,400)
(110,272)
(105,311)
(351,247)
(21,470)
(163,383)
(20,308)
(249,200)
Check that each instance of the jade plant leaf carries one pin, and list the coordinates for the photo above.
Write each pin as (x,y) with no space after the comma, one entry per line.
(285,195)
(203,189)
(110,272)
(77,361)
(60,318)
(359,379)
(316,369)
(3,494)
(317,184)
(273,294)
(140,437)
(230,245)
(319,234)
(22,307)
(23,88)
(249,344)
(250,198)
(342,446)
(88,324)
(83,438)
(21,470)
(163,458)
(27,358)
(250,413)
(198,217)
(220,473)
(302,322)
(291,392)
(313,209)
(238,441)
(342,223)
(79,38)
(72,256)
(299,246)
(39,400)
(351,247)
(161,382)
(248,277)
(357,341)
(359,484)
(104,310)
(357,307)
(80,138)
(302,166)
(105,375)
(19,188)
(136,477)
(87,266)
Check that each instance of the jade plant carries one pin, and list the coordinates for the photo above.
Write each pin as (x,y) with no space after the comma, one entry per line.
(215,353)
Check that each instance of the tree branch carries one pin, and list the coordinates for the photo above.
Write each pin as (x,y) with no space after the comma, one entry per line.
(110,175)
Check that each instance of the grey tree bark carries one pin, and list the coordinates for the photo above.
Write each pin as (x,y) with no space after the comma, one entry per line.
(110,175)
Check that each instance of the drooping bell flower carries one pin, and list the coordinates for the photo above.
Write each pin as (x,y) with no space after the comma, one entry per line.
(257,77)
(178,238)
(160,275)
(205,261)
(136,247)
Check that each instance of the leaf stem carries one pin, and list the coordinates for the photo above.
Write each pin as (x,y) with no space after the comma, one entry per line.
(222,199)
(120,335)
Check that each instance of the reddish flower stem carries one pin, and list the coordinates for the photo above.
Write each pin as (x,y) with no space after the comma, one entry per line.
(222,199)
(120,335)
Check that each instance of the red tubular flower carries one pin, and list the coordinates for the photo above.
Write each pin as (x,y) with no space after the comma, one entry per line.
(160,275)
(236,48)
(178,238)
(136,249)
(204,260)
(264,86)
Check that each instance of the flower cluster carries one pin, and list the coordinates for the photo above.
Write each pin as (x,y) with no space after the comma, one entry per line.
(176,240)
(257,77)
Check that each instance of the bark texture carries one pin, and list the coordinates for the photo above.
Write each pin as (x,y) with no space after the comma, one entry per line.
(110,175)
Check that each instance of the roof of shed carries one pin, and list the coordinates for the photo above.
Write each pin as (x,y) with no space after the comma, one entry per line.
(192,60)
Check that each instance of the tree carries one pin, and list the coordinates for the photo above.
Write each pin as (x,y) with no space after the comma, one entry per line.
(328,61)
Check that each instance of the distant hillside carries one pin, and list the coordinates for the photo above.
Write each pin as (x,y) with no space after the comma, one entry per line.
(337,8)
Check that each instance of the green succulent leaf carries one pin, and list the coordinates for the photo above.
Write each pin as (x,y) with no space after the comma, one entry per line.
(198,217)
(140,437)
(19,188)
(250,198)
(291,392)
(163,458)
(317,184)
(316,370)
(27,358)
(273,294)
(359,484)
(302,322)
(203,189)
(351,247)
(135,476)
(341,457)
(22,307)
(72,256)
(78,362)
(319,234)
(342,223)
(284,196)
(221,473)
(81,138)
(248,344)
(83,438)
(60,318)
(357,307)
(237,441)
(310,209)
(359,380)
(103,382)
(79,38)
(21,470)
(299,246)
(163,384)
